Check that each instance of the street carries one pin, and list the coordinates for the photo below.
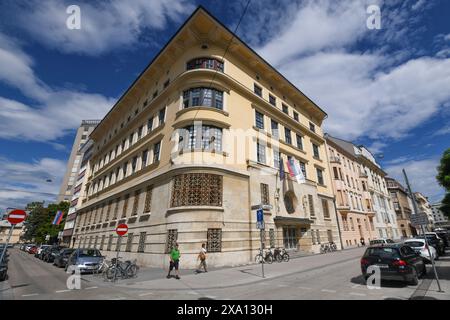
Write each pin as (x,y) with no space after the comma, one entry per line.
(325,276)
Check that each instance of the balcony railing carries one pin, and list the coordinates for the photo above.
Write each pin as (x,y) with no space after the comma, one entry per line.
(334,159)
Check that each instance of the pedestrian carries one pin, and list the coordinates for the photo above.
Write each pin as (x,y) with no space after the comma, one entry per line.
(174,261)
(202,258)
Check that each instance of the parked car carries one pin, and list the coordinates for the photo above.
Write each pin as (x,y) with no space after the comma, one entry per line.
(396,261)
(28,246)
(419,246)
(434,241)
(381,241)
(32,250)
(445,236)
(40,249)
(50,253)
(4,267)
(85,260)
(62,257)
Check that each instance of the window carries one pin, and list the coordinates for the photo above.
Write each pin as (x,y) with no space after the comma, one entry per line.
(150,125)
(259,120)
(205,63)
(299,141)
(316,150)
(312,127)
(276,159)
(172,236)
(144,158)
(261,152)
(311,205)
(156,150)
(295,116)
(197,189)
(125,205)
(203,97)
(161,116)
(148,199)
(134,212)
(139,135)
(124,169)
(142,238)
(145,103)
(272,100)
(166,84)
(265,193)
(272,238)
(336,174)
(285,108)
(130,140)
(133,165)
(287,136)
(303,168)
(319,176)
(123,144)
(326,209)
(257,89)
(274,127)
(214,240)
(129,242)
(211,138)
(155,94)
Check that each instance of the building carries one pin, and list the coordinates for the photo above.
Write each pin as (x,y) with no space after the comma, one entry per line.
(424,206)
(77,200)
(361,193)
(5,228)
(193,144)
(440,220)
(73,164)
(402,206)
(353,200)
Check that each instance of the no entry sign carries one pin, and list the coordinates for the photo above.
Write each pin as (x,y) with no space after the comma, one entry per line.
(122,229)
(16,216)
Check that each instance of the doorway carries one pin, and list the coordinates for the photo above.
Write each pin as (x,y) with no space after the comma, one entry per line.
(290,238)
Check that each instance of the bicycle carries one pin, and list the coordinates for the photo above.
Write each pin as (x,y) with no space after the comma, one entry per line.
(281,255)
(324,248)
(124,270)
(268,257)
(103,266)
(333,246)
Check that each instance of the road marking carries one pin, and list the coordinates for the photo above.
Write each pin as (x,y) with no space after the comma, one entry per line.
(282,285)
(327,290)
(192,292)
(263,284)
(357,294)
(304,288)
(89,288)
(59,291)
(120,298)
(145,294)
(30,295)
(356,286)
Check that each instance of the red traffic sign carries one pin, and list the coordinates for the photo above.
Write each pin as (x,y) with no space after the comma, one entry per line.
(16,216)
(122,229)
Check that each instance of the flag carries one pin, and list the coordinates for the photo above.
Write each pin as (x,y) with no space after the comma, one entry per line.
(281,169)
(299,173)
(58,218)
(290,169)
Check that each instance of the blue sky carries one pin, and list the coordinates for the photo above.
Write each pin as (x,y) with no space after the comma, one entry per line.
(387,89)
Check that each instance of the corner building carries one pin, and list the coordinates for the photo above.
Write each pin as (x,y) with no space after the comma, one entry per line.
(193,144)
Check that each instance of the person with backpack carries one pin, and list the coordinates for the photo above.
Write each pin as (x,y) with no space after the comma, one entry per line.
(202,258)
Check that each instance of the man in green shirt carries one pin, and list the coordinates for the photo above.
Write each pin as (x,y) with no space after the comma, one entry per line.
(174,261)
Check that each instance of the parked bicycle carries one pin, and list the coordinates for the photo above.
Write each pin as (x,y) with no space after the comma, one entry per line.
(103,266)
(328,247)
(280,255)
(264,257)
(124,270)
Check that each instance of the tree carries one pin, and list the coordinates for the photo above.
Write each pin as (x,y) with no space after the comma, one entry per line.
(443,178)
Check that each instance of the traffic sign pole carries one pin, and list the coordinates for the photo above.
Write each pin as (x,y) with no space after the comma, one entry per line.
(7,242)
(121,230)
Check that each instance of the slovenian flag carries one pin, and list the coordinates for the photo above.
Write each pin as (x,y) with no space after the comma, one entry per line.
(290,168)
(299,176)
(58,218)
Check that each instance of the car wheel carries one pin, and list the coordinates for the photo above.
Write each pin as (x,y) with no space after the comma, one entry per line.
(415,278)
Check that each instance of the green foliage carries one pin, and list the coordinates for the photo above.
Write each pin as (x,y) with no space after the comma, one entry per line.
(443,178)
(445,207)
(39,223)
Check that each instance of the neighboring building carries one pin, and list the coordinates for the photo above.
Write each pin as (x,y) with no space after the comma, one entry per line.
(353,200)
(73,164)
(440,220)
(5,228)
(402,206)
(372,193)
(79,190)
(193,144)
(425,207)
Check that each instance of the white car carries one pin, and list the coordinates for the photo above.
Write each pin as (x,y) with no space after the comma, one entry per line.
(39,250)
(419,246)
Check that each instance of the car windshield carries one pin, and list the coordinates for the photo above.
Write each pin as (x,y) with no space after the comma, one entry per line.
(415,244)
(383,252)
(89,253)
(376,241)
(429,237)
(389,241)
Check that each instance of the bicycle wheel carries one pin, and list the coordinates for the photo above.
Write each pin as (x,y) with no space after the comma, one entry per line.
(110,273)
(132,271)
(269,258)
(259,258)
(285,257)
(279,257)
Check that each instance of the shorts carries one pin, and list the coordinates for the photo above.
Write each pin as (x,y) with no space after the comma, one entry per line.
(174,264)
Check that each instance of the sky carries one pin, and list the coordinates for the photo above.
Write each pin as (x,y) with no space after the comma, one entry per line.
(387,88)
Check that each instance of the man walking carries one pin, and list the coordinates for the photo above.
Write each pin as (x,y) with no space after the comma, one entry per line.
(202,258)
(174,261)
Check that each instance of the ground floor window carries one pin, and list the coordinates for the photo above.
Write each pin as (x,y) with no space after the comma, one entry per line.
(108,248)
(272,238)
(142,238)
(102,242)
(172,237)
(129,242)
(197,189)
(214,243)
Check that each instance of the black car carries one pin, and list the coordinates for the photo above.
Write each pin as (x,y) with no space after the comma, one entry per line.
(445,236)
(62,257)
(396,262)
(4,264)
(50,254)
(435,242)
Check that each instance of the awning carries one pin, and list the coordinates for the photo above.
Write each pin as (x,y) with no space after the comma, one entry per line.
(292,220)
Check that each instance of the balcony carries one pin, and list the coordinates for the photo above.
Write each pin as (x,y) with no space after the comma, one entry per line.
(363,174)
(334,159)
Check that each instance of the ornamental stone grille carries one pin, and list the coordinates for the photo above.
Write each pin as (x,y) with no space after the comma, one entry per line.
(148,199)
(129,242)
(95,242)
(311,205)
(214,243)
(197,189)
(136,203)
(102,242)
(142,239)
(172,237)
(125,205)
(265,193)
(108,248)
(272,238)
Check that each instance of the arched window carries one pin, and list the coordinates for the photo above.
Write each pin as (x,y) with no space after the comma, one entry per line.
(203,97)
(205,63)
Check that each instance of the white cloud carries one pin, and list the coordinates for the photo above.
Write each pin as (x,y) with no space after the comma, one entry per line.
(421,175)
(105,25)
(25,182)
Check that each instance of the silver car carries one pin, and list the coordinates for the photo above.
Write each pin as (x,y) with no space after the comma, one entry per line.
(84,260)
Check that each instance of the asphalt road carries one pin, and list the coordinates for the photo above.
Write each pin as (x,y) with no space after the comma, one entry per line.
(336,276)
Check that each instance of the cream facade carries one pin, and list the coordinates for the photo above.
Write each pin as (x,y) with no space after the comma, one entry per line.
(424,206)
(402,206)
(5,228)
(193,144)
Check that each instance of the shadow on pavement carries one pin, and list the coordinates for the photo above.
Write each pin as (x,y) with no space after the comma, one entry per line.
(384,283)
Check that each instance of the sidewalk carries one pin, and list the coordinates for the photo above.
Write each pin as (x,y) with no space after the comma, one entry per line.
(230,277)
(6,292)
